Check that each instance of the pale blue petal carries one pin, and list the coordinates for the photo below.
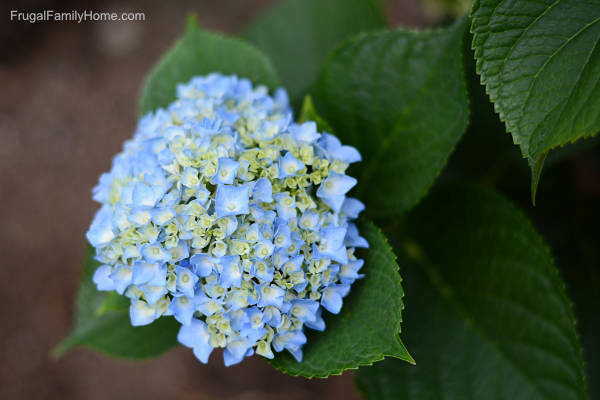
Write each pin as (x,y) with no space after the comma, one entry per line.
(160,276)
(183,309)
(309,220)
(335,202)
(289,165)
(286,206)
(332,297)
(353,238)
(143,272)
(331,245)
(283,238)
(270,295)
(348,154)
(155,253)
(231,200)
(335,185)
(331,300)
(153,293)
(226,171)
(306,132)
(101,230)
(102,278)
(305,310)
(143,195)
(272,317)
(186,281)
(180,252)
(141,313)
(195,335)
(231,273)
(318,324)
(203,264)
(296,352)
(162,216)
(138,217)
(263,191)
(352,207)
(261,215)
(121,276)
(235,352)
(349,272)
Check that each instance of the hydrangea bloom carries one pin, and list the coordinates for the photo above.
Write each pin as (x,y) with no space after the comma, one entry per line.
(227,215)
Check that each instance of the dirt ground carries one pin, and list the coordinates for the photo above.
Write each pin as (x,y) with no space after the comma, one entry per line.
(68,100)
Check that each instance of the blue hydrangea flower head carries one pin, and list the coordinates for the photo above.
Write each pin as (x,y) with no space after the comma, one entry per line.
(228,216)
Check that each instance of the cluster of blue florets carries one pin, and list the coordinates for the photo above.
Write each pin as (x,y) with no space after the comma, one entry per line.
(224,213)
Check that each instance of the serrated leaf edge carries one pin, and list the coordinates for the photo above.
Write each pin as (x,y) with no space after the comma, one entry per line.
(421,35)
(356,366)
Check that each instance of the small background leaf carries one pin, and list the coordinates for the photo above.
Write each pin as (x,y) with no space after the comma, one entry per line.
(199,53)
(540,62)
(308,113)
(487,316)
(400,98)
(102,323)
(298,34)
(367,328)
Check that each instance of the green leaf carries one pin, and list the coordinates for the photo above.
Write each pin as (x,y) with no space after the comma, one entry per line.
(102,323)
(309,113)
(487,316)
(540,62)
(298,34)
(200,52)
(584,287)
(367,328)
(400,98)
(485,153)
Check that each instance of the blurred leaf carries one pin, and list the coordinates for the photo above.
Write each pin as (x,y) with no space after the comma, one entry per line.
(444,9)
(199,52)
(308,113)
(367,328)
(585,290)
(488,316)
(102,324)
(540,62)
(400,98)
(298,34)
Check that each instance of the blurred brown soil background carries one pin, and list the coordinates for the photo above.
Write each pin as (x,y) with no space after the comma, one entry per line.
(68,100)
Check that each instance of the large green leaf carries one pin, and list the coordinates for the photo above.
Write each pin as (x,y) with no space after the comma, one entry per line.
(487,316)
(367,328)
(540,62)
(102,323)
(584,286)
(298,34)
(400,98)
(199,52)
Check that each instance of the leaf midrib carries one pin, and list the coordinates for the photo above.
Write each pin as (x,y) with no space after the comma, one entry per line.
(387,137)
(444,291)
(523,139)
(566,100)
(542,68)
